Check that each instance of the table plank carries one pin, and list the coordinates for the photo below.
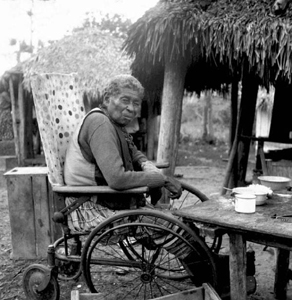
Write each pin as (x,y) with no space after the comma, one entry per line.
(258,227)
(221,212)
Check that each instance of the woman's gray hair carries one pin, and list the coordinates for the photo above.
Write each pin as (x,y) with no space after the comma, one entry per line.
(118,82)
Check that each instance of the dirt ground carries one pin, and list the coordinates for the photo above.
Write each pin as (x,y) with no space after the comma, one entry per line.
(201,165)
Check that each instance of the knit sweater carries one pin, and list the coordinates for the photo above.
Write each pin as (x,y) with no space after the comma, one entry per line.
(100,145)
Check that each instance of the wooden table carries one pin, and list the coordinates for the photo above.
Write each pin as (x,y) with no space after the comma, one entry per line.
(258,227)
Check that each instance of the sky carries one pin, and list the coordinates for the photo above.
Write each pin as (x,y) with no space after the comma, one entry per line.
(52,19)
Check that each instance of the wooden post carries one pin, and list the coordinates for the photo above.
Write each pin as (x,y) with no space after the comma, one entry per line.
(261,157)
(173,89)
(237,267)
(151,129)
(14,121)
(230,179)
(25,125)
(177,131)
(232,163)
(281,274)
(238,159)
(28,143)
(22,124)
(234,111)
(246,120)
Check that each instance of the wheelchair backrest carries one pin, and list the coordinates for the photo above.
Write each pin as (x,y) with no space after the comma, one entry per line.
(59,109)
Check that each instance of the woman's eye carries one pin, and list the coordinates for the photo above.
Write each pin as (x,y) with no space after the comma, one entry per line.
(125,101)
(136,104)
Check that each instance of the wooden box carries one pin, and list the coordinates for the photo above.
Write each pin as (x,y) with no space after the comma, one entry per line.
(205,292)
(31,206)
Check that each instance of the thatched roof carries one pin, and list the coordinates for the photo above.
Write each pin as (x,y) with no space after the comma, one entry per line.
(217,39)
(96,56)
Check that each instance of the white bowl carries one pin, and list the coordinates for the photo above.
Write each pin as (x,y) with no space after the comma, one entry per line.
(261,196)
(275,183)
(261,199)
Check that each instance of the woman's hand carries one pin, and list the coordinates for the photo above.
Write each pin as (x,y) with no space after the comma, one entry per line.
(173,186)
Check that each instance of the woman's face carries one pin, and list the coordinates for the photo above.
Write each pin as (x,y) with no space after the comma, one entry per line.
(124,107)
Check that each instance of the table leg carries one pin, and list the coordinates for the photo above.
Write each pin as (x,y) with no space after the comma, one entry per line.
(237,267)
(281,274)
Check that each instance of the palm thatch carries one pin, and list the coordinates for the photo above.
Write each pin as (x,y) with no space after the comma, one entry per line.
(248,29)
(96,56)
(217,40)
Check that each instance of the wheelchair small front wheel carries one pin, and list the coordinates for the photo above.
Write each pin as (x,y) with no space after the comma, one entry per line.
(33,277)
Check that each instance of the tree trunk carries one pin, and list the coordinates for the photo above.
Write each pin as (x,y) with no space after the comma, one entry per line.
(210,120)
(208,134)
(173,89)
(205,118)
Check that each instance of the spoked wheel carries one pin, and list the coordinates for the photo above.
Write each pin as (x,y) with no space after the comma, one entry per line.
(153,248)
(190,197)
(174,271)
(33,277)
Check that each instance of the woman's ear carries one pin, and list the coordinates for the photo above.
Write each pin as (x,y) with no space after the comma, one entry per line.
(105,100)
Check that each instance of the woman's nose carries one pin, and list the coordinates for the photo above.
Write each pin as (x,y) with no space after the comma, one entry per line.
(130,107)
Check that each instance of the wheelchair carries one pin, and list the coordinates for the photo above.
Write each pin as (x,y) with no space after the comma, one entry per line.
(157,253)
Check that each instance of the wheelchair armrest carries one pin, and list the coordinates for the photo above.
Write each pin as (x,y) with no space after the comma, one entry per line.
(67,189)
(162,165)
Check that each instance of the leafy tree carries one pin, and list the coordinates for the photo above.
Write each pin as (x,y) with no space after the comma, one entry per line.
(114,24)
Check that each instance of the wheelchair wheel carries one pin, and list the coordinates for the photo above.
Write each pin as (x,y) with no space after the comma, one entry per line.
(192,196)
(154,248)
(33,277)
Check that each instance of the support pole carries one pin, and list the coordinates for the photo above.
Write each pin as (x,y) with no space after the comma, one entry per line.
(248,103)
(14,121)
(22,135)
(237,267)
(172,97)
(238,158)
(151,129)
(281,274)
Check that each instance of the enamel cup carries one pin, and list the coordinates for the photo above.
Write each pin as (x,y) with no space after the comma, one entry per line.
(245,203)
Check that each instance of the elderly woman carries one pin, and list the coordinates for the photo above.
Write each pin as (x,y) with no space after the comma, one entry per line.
(102,152)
